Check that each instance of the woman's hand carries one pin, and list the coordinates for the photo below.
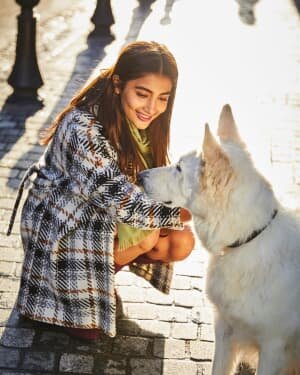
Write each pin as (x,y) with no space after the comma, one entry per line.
(185,215)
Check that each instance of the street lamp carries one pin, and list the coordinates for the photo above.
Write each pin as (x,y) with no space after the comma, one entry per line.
(25,77)
(103,19)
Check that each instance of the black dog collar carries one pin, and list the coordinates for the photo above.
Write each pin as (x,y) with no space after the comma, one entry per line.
(253,234)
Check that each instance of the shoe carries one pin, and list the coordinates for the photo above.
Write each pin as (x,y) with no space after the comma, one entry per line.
(84,334)
(144,259)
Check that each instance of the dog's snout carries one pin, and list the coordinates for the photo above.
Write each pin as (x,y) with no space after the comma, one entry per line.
(141,177)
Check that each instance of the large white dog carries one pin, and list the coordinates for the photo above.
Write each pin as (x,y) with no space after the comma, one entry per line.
(253,277)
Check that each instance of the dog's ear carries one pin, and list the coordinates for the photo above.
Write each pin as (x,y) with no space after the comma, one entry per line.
(227,130)
(218,172)
(211,149)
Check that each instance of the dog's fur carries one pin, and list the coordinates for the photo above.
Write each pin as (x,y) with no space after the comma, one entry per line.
(254,287)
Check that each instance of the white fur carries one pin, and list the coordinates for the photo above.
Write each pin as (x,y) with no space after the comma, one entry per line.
(255,288)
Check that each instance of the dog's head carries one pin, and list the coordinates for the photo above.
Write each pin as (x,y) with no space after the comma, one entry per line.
(219,185)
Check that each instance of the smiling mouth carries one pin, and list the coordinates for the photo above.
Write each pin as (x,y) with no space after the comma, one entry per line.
(167,202)
(142,117)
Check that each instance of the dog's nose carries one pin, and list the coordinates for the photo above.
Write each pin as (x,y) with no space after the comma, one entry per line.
(141,176)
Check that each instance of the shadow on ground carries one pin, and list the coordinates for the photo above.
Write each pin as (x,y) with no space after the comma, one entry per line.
(48,348)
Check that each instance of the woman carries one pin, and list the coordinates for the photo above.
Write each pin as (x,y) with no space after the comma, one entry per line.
(85,217)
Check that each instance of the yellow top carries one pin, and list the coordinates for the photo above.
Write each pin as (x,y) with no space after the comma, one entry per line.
(129,236)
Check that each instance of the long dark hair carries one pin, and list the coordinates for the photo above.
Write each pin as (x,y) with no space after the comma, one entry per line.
(134,61)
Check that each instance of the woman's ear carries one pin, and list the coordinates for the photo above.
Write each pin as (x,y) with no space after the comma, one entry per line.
(116,84)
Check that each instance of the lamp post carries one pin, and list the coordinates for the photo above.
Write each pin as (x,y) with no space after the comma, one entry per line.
(103,19)
(25,77)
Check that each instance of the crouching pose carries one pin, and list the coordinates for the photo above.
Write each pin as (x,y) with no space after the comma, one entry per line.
(85,216)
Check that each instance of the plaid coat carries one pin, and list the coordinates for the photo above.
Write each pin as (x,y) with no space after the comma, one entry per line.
(68,223)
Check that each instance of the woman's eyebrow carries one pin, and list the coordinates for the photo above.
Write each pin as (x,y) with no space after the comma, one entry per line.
(150,91)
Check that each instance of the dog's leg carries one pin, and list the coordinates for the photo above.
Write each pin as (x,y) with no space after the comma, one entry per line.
(272,359)
(223,357)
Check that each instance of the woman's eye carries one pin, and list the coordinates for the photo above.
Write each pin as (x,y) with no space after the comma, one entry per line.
(178,168)
(141,95)
(163,99)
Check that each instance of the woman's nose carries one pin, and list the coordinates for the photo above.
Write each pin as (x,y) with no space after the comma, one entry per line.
(151,106)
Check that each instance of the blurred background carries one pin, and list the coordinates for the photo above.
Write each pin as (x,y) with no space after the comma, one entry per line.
(243,52)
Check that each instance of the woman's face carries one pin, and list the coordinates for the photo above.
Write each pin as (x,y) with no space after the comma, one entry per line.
(145,98)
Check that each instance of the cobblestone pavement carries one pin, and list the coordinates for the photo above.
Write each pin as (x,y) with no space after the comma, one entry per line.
(221,59)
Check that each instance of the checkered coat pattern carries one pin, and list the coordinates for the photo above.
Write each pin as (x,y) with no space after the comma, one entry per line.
(68,224)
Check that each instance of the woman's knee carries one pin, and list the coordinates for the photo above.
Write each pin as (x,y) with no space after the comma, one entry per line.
(181,244)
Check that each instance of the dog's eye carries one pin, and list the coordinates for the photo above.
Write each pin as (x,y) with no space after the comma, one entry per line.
(178,168)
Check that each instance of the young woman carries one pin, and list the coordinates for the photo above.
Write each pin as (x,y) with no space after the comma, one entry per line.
(85,216)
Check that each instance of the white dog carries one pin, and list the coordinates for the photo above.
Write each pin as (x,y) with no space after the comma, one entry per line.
(253,278)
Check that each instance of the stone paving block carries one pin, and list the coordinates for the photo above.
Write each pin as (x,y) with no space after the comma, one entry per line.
(197,283)
(141,311)
(173,313)
(189,268)
(186,331)
(7,162)
(4,316)
(207,332)
(140,282)
(11,255)
(158,298)
(11,182)
(12,242)
(169,348)
(103,346)
(18,269)
(9,284)
(128,327)
(8,172)
(7,203)
(202,315)
(204,368)
(9,358)
(38,361)
(182,298)
(145,366)
(50,339)
(171,367)
(23,165)
(202,350)
(7,124)
(124,278)
(152,328)
(76,363)
(136,346)
(17,337)
(131,293)
(107,366)
(7,268)
(181,282)
(37,149)
(7,300)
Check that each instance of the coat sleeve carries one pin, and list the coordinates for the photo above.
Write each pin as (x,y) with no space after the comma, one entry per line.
(92,164)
